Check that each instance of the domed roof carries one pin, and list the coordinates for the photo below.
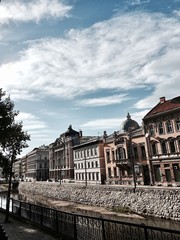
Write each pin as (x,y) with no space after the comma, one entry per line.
(129,124)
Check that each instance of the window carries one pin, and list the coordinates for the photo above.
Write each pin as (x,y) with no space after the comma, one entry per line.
(87,152)
(96,163)
(160,128)
(135,152)
(151,130)
(169,126)
(115,172)
(172,146)
(108,156)
(176,171)
(95,151)
(89,176)
(177,125)
(163,148)
(143,151)
(97,176)
(91,151)
(120,153)
(93,176)
(154,149)
(92,164)
(113,156)
(109,172)
(157,173)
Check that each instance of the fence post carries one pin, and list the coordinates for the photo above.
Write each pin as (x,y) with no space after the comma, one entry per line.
(57,223)
(19,209)
(103,230)
(145,231)
(30,212)
(41,216)
(75,229)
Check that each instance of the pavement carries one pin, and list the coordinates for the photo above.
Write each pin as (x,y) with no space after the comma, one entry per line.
(21,230)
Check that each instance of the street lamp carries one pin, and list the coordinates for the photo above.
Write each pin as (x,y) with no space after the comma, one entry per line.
(85,168)
(147,137)
(131,158)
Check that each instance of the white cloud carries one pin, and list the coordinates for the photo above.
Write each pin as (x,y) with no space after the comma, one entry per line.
(137,2)
(103,123)
(113,123)
(33,10)
(30,122)
(103,101)
(126,52)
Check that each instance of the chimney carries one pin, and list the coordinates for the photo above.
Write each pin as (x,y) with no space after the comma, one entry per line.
(80,133)
(162,99)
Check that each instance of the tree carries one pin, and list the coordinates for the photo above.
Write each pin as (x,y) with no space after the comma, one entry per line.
(12,139)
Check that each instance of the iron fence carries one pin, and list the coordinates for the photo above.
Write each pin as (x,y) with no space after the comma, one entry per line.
(80,227)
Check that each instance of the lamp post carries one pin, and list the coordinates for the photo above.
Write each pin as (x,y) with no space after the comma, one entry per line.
(85,168)
(147,137)
(131,159)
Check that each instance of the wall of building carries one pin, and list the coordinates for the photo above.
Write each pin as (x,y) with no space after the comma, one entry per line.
(154,202)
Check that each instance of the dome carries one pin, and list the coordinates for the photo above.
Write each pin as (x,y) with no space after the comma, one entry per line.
(129,124)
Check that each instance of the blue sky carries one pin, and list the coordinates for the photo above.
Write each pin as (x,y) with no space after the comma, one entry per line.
(87,62)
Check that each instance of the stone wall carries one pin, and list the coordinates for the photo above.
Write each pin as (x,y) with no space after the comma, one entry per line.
(146,201)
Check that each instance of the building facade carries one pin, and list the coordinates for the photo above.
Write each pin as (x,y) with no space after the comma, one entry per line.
(89,162)
(37,167)
(125,155)
(162,134)
(61,162)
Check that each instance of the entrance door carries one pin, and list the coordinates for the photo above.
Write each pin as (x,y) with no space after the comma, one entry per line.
(168,175)
(146,175)
(176,172)
(157,173)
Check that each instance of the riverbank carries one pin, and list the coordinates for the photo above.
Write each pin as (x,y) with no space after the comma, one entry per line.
(145,202)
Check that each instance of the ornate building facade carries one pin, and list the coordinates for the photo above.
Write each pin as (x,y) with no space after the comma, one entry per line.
(61,162)
(125,155)
(162,134)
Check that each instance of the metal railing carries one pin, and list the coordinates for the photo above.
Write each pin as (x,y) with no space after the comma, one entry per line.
(3,235)
(80,227)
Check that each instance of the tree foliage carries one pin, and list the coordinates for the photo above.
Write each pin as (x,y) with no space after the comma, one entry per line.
(12,137)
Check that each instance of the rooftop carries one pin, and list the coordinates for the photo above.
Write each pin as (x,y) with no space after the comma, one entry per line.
(164,106)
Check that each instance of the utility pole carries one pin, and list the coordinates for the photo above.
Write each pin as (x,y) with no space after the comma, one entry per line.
(131,159)
(85,168)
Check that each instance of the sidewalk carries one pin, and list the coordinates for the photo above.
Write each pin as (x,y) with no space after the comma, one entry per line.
(19,230)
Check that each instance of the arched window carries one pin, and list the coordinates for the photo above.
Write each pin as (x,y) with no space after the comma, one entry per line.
(120,153)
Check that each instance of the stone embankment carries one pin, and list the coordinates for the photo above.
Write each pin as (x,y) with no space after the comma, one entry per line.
(152,202)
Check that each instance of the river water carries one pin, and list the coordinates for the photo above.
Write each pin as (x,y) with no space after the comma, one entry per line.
(155,222)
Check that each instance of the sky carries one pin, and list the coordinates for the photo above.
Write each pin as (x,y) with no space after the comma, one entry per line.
(87,63)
